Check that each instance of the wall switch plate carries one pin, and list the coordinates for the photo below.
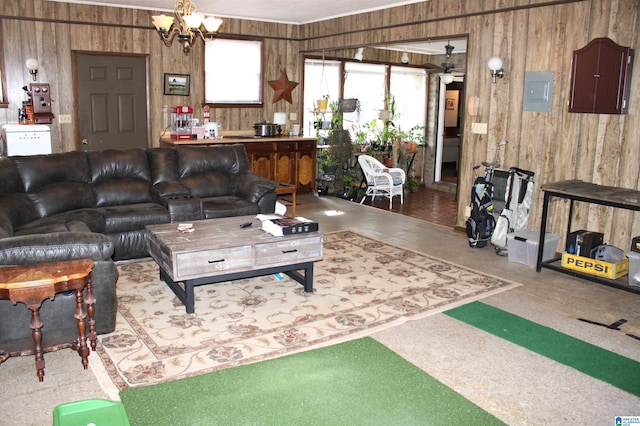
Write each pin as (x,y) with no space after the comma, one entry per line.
(479,128)
(64,119)
(467,211)
(293,116)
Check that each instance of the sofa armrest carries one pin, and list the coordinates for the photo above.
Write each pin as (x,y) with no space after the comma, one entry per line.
(57,246)
(169,189)
(251,186)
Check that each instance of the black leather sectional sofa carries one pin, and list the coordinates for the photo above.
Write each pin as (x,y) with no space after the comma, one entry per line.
(97,204)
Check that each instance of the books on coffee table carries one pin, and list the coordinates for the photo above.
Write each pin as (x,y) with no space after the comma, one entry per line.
(279,226)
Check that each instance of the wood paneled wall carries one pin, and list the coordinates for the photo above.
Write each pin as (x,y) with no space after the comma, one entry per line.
(52,31)
(529,35)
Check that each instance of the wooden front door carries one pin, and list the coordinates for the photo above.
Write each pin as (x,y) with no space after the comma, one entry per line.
(112,101)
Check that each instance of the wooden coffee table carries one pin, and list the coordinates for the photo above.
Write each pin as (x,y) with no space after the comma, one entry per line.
(220,250)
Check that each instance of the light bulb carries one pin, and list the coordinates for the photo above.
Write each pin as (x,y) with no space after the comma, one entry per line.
(495,64)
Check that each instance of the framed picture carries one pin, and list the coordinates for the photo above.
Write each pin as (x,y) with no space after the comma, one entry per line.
(177,84)
(450,103)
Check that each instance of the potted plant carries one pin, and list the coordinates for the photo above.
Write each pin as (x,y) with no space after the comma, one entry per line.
(412,185)
(413,137)
(322,104)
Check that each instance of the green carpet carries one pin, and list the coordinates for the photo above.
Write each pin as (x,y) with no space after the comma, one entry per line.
(617,370)
(360,382)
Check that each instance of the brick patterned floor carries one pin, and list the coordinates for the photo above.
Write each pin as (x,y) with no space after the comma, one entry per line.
(425,204)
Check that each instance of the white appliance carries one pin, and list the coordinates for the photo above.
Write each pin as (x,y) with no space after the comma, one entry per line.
(26,139)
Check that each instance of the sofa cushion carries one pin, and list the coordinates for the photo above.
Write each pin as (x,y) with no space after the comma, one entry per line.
(83,220)
(120,176)
(9,177)
(133,217)
(227,206)
(61,197)
(53,247)
(38,171)
(171,189)
(17,209)
(163,164)
(210,184)
(56,182)
(193,160)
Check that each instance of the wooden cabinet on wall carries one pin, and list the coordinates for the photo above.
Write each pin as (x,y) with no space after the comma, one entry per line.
(601,78)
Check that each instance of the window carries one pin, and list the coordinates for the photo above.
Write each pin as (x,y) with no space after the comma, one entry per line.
(233,72)
(321,78)
(409,89)
(366,82)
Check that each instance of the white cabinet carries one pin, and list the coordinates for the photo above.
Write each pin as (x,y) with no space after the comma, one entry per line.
(27,139)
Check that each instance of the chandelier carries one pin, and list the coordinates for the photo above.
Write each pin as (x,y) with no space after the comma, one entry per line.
(189,25)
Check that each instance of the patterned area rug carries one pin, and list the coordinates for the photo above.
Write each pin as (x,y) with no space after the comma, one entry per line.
(360,286)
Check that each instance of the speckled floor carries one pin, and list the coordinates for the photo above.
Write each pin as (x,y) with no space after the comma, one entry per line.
(517,386)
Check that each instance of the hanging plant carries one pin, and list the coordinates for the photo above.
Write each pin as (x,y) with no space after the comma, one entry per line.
(349,105)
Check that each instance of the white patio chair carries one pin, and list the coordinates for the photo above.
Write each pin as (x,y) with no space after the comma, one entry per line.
(382,180)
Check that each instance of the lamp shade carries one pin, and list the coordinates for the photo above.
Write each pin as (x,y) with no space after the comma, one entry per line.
(447,78)
(194,20)
(280,118)
(211,24)
(162,21)
(495,64)
(32,64)
(359,54)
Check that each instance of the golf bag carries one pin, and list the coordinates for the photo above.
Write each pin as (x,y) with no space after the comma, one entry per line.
(515,215)
(481,223)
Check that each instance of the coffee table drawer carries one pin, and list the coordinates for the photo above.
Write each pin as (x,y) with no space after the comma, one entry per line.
(207,262)
(289,251)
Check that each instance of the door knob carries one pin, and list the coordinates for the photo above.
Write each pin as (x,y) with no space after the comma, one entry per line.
(85,141)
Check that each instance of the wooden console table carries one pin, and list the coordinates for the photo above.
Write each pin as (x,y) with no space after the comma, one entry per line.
(577,190)
(32,284)
(288,159)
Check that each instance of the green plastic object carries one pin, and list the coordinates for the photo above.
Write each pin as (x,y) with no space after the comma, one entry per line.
(90,412)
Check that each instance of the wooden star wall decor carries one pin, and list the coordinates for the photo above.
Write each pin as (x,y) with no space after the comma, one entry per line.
(282,88)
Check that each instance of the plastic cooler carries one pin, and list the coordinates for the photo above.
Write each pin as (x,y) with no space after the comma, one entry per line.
(95,412)
(523,247)
(634,268)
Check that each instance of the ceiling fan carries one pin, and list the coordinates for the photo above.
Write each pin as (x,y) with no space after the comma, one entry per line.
(447,66)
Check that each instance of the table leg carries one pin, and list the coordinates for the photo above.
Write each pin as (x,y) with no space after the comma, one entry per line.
(90,301)
(80,315)
(36,333)
(293,207)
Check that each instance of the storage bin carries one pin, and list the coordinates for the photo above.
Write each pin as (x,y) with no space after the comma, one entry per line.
(634,268)
(523,247)
(595,267)
(96,412)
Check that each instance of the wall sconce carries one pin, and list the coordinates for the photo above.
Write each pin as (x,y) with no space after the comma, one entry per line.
(359,54)
(405,58)
(32,66)
(495,68)
(446,78)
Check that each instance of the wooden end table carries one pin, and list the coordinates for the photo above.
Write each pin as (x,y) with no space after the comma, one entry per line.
(288,189)
(32,284)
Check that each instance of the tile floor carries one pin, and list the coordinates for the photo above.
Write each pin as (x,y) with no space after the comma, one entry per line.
(425,204)
(517,386)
